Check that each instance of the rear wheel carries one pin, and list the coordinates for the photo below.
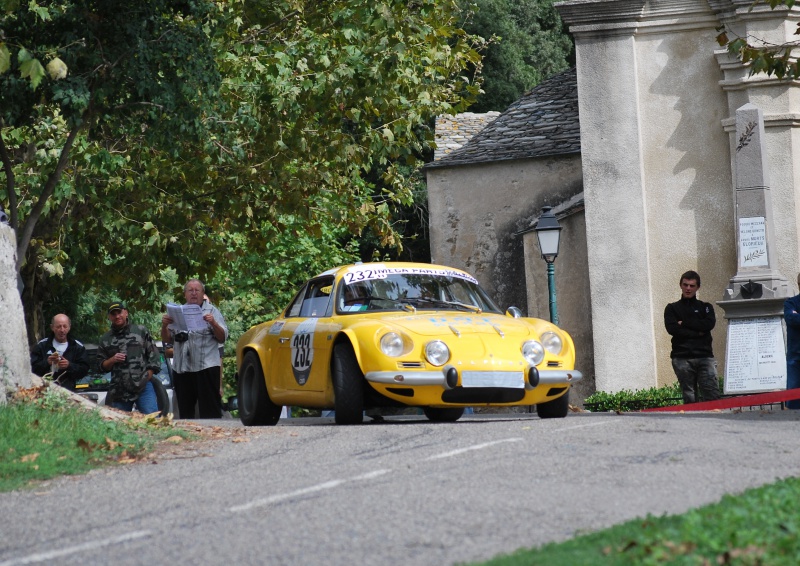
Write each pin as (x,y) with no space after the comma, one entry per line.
(555,409)
(348,385)
(443,415)
(255,406)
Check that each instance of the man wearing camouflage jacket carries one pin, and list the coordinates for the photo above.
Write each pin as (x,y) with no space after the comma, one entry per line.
(130,354)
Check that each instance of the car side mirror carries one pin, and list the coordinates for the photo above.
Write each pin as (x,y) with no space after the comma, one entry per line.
(514,312)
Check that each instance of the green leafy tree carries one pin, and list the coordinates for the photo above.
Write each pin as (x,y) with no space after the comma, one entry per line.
(116,70)
(301,103)
(529,44)
(339,90)
(409,220)
(258,284)
(112,65)
(761,56)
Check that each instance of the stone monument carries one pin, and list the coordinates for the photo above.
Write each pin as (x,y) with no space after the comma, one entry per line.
(755,357)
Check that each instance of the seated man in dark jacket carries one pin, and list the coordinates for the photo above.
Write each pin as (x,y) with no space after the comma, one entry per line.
(690,322)
(60,355)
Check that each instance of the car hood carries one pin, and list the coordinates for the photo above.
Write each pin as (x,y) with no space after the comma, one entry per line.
(436,324)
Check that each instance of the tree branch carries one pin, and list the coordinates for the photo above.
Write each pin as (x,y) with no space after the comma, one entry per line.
(24,238)
(10,183)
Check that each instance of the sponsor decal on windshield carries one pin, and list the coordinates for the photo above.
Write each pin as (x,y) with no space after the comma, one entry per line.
(380,271)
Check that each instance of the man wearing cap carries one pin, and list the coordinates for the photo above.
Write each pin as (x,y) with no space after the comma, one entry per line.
(60,355)
(130,354)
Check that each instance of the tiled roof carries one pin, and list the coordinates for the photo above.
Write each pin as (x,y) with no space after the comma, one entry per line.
(542,122)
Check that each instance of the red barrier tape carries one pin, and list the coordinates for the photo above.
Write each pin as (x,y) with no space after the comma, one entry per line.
(732,402)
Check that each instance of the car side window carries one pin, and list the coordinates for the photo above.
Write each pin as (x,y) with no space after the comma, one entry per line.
(316,302)
(297,303)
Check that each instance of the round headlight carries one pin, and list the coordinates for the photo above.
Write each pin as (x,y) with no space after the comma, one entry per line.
(392,344)
(552,342)
(533,352)
(437,352)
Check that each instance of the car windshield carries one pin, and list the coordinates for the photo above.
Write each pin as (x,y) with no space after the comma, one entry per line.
(359,292)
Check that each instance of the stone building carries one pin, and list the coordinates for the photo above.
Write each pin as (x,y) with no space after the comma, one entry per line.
(646,192)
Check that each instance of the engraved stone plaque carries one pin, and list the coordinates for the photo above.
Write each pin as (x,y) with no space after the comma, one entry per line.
(755,356)
(752,242)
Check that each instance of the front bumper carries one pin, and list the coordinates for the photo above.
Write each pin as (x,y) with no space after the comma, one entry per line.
(510,380)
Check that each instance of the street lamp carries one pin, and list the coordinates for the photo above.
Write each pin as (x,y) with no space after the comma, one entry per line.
(548,233)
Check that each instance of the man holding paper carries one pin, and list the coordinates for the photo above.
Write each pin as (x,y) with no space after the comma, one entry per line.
(196,330)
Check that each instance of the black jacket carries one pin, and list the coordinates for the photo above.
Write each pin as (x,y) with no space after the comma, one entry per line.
(75,353)
(791,314)
(691,338)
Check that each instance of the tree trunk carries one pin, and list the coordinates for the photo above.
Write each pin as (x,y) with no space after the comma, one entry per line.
(33,297)
(15,359)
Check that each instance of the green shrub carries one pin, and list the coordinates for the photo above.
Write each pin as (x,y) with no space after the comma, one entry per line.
(627,400)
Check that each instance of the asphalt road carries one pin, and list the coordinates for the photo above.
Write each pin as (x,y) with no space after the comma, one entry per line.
(405,491)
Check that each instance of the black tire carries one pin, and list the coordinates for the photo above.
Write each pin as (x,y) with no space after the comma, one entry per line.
(162,397)
(555,409)
(443,415)
(255,406)
(348,385)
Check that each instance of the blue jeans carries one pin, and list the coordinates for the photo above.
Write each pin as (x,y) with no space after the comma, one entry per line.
(146,403)
(694,374)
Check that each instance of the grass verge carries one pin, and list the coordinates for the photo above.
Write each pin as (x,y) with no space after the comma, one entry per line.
(44,437)
(758,527)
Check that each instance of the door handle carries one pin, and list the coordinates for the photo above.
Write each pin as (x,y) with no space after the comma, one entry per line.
(283,340)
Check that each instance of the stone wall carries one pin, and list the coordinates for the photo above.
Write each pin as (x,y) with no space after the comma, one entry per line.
(452,132)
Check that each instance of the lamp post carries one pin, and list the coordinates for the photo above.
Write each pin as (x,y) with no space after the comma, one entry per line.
(548,232)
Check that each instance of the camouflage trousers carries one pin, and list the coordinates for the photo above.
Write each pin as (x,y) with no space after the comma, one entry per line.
(694,374)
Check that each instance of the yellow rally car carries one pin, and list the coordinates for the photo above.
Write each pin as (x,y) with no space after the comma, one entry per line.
(401,334)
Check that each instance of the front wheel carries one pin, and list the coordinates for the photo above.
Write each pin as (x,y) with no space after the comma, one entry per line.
(555,409)
(348,385)
(255,406)
(443,415)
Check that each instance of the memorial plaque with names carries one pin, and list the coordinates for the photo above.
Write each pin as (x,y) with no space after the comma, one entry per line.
(755,355)
(753,242)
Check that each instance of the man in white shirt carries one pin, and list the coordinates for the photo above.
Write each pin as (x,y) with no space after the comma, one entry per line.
(196,358)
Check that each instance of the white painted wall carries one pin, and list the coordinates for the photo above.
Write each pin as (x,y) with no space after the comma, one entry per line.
(658,189)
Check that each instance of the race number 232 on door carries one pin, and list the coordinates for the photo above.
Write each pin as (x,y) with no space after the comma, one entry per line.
(303,350)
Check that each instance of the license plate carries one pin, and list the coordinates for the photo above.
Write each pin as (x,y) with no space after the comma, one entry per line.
(507,379)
